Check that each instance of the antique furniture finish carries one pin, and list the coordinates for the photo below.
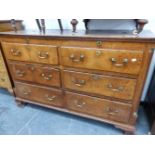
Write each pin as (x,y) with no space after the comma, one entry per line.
(5,25)
(94,75)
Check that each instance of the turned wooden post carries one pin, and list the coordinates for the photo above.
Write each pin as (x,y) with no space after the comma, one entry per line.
(74,23)
(140,23)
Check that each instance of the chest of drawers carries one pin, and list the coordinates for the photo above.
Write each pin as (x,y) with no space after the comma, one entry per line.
(94,76)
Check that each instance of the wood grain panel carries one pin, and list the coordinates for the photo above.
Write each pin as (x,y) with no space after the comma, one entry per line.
(31,53)
(35,73)
(121,88)
(122,61)
(36,93)
(98,107)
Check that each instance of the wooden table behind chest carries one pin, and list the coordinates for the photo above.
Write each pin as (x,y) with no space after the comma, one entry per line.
(96,78)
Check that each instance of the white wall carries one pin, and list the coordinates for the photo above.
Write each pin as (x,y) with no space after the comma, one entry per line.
(105,24)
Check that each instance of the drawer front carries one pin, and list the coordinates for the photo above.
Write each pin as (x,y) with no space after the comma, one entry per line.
(98,107)
(44,54)
(15,51)
(121,88)
(39,94)
(35,73)
(4,80)
(122,61)
(21,71)
(30,52)
(47,76)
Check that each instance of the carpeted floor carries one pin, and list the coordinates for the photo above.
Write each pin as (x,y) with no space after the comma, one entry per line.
(35,120)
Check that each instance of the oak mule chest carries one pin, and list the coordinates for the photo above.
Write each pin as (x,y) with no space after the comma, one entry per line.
(95,74)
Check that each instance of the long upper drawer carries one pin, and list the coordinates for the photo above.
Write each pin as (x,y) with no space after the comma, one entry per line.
(117,87)
(122,61)
(31,52)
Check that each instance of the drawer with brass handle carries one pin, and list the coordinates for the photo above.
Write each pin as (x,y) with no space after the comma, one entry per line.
(15,51)
(120,61)
(44,54)
(35,73)
(40,94)
(98,107)
(31,52)
(116,87)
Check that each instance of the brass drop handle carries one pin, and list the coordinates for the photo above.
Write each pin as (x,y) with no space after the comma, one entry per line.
(43,55)
(118,89)
(79,104)
(49,77)
(20,73)
(50,98)
(78,82)
(74,59)
(26,92)
(110,111)
(114,62)
(15,52)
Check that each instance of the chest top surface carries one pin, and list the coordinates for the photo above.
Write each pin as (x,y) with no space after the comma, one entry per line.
(111,35)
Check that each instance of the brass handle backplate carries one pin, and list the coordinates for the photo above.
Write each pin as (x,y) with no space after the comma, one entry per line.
(20,73)
(78,82)
(79,104)
(49,77)
(43,55)
(15,52)
(74,59)
(50,98)
(118,89)
(110,111)
(114,62)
